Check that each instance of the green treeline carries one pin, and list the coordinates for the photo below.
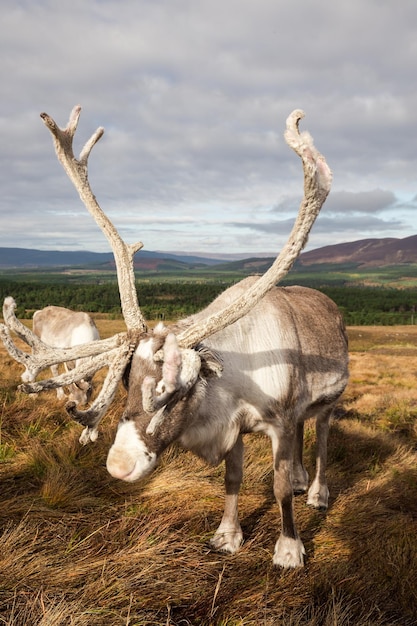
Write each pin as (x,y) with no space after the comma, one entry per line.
(170,301)
(157,300)
(364,306)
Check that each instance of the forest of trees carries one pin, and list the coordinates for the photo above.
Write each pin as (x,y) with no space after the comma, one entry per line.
(157,300)
(170,301)
(364,306)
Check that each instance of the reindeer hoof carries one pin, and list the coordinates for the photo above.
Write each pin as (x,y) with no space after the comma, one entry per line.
(227,541)
(318,497)
(289,552)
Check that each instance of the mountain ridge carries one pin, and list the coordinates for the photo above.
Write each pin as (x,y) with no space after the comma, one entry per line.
(11,258)
(365,252)
(371,252)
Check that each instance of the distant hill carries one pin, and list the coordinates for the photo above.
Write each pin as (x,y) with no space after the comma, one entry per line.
(362,253)
(27,258)
(365,253)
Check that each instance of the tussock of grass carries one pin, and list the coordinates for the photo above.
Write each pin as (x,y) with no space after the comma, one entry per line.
(80,548)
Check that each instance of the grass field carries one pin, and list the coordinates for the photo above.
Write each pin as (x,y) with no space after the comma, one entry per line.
(79,548)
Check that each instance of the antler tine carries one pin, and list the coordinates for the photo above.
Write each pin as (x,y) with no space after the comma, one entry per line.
(87,368)
(9,307)
(77,172)
(91,417)
(317,183)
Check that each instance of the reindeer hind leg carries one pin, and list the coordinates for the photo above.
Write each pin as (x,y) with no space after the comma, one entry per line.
(318,494)
(289,549)
(299,473)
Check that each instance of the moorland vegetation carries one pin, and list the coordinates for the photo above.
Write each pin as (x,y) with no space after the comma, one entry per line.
(78,548)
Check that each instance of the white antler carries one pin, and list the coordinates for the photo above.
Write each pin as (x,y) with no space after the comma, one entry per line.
(317,183)
(78,173)
(113,353)
(92,416)
(44,356)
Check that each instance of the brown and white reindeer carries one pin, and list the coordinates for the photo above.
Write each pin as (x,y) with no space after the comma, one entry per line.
(62,328)
(259,359)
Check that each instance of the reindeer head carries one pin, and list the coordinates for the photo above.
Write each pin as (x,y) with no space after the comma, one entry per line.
(165,383)
(168,369)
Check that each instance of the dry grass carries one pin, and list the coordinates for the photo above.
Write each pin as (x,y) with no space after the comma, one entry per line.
(79,548)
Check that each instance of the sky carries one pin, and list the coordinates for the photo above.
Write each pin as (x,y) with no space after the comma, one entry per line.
(193,96)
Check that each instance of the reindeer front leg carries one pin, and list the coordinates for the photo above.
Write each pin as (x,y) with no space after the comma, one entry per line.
(228,536)
(289,550)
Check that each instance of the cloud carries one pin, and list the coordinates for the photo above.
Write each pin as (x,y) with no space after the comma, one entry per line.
(351,203)
(193,98)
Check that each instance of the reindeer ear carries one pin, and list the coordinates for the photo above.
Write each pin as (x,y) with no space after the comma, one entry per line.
(181,367)
(172,363)
(190,368)
(180,371)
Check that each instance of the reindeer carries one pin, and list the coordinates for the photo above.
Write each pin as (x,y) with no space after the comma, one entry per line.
(260,359)
(63,328)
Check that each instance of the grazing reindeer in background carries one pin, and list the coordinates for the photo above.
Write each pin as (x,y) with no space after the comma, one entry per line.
(63,328)
(258,359)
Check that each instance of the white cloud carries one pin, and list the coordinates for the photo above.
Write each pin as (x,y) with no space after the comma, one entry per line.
(194,97)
